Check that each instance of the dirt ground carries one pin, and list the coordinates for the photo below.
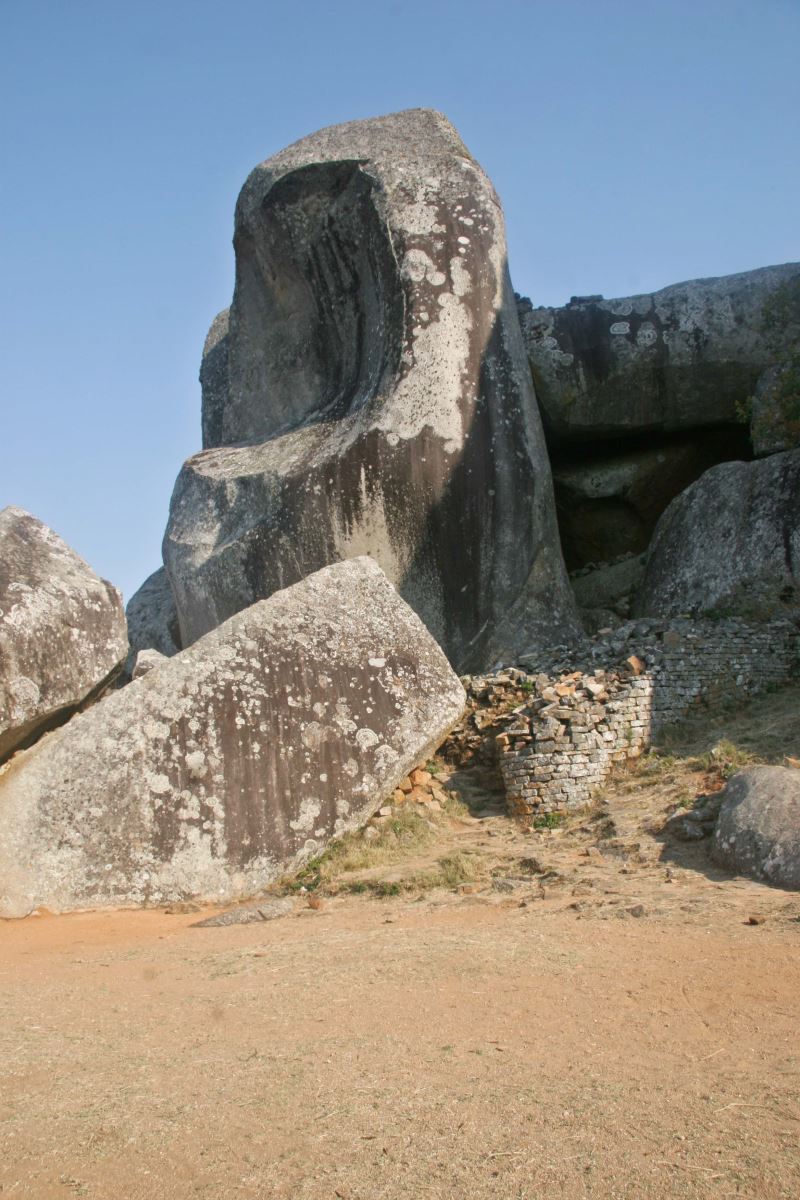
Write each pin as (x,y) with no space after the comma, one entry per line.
(601,1013)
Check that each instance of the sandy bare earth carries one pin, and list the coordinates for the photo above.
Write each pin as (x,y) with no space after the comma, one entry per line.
(604,1023)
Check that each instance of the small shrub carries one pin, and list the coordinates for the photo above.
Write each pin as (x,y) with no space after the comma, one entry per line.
(726,759)
(551,820)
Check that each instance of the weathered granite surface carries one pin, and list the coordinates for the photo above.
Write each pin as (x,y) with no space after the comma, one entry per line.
(62,629)
(729,544)
(368,392)
(758,828)
(775,416)
(153,618)
(235,760)
(685,357)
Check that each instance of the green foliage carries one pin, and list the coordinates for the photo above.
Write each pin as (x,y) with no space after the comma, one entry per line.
(726,758)
(551,820)
(744,410)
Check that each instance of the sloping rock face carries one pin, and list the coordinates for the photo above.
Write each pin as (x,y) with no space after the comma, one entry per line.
(153,618)
(685,357)
(369,392)
(62,629)
(235,760)
(729,544)
(758,829)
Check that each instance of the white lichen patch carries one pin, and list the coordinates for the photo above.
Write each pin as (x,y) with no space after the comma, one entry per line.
(310,808)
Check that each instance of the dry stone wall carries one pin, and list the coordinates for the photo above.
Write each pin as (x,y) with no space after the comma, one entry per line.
(576,721)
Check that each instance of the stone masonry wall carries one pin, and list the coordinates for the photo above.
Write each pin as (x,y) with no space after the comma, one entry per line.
(573,725)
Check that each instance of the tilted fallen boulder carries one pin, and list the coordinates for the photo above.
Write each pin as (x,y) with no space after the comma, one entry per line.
(234,761)
(729,545)
(62,629)
(685,357)
(758,828)
(368,392)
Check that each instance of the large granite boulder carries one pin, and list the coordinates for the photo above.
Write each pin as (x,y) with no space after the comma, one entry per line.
(758,828)
(729,545)
(685,357)
(369,393)
(62,630)
(234,761)
(153,618)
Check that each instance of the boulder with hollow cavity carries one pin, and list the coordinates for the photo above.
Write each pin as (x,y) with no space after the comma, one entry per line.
(368,392)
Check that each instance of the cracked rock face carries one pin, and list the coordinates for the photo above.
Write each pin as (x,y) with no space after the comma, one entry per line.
(234,761)
(369,393)
(729,545)
(758,829)
(62,629)
(685,357)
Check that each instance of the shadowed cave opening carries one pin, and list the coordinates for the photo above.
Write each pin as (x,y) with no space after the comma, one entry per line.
(609,495)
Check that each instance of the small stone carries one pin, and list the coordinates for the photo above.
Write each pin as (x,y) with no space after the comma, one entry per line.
(245,914)
(636,910)
(420,778)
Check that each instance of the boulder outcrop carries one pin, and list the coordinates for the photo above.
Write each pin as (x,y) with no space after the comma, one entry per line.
(729,545)
(62,630)
(235,760)
(685,357)
(153,618)
(368,392)
(758,828)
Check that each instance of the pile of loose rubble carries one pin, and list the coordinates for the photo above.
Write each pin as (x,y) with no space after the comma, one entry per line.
(420,791)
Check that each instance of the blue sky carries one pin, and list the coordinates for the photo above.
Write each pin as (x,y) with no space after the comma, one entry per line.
(634,144)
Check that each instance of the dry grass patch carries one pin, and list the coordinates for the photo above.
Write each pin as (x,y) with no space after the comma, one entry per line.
(400,838)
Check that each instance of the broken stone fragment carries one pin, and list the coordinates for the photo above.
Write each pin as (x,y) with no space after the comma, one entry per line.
(246,914)
(145,661)
(62,630)
(234,761)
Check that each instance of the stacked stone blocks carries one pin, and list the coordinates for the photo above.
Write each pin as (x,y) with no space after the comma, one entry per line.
(561,744)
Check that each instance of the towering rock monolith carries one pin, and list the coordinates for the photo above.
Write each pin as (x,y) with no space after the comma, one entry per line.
(368,392)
